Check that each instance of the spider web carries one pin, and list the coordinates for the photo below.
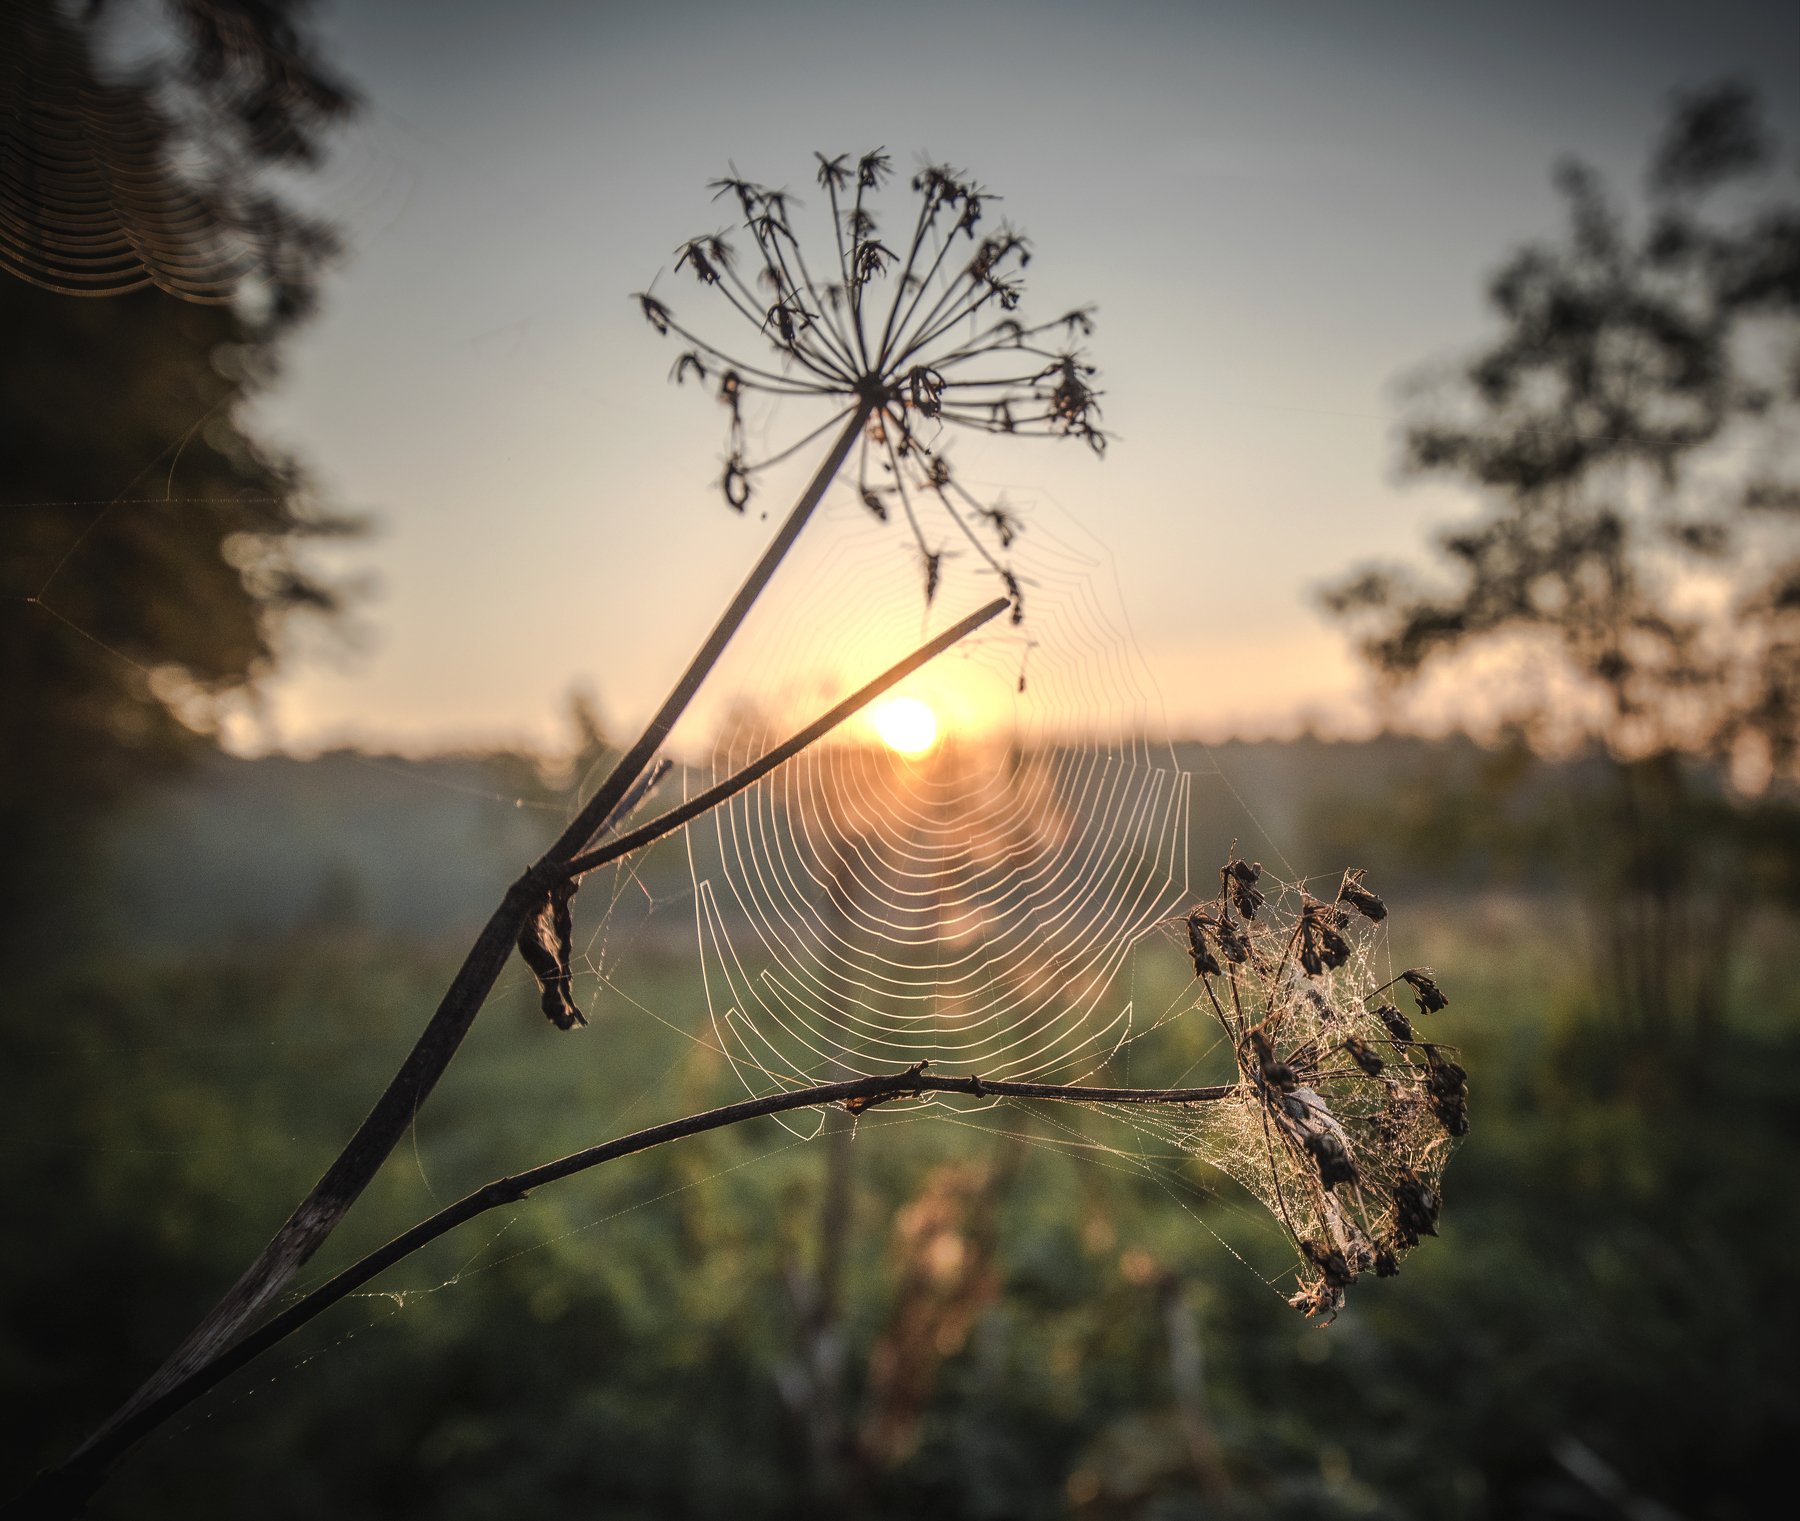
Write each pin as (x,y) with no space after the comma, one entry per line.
(860,910)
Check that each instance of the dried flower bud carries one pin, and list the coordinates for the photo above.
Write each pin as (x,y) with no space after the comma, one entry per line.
(545,945)
(1359,1052)
(1328,1151)
(1415,1208)
(1360,898)
(1430,996)
(1398,1025)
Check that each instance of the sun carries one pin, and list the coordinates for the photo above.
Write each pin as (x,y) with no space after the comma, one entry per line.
(905,724)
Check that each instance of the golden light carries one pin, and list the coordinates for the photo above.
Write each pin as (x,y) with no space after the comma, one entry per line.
(905,724)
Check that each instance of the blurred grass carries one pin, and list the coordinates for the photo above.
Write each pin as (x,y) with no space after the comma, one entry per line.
(1610,1281)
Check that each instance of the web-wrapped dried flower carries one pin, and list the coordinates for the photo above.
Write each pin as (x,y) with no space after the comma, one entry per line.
(1344,1142)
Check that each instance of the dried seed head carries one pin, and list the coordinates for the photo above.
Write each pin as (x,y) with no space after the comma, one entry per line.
(1277,1074)
(1234,941)
(1330,1263)
(873,168)
(655,313)
(736,483)
(1448,1086)
(904,335)
(702,255)
(934,569)
(1328,1151)
(545,943)
(1205,963)
(1000,518)
(1237,881)
(1322,943)
(1011,583)
(1344,1145)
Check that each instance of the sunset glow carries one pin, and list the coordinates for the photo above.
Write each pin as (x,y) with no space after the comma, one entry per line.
(905,725)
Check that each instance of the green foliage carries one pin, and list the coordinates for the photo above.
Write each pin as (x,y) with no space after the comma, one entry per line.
(1608,1281)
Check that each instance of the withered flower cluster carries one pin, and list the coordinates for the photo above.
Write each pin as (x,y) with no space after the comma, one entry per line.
(1344,1118)
(915,336)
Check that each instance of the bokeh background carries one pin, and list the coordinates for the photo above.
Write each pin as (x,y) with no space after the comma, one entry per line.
(323,605)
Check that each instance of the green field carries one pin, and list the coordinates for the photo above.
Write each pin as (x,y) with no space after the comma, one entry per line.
(1030,1313)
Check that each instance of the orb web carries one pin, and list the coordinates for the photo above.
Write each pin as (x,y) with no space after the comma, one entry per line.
(111,182)
(862,909)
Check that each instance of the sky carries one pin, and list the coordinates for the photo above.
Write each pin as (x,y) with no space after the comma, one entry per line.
(1281,212)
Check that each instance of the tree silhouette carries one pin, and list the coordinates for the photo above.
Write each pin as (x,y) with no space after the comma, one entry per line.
(1632,431)
(151,550)
(1631,428)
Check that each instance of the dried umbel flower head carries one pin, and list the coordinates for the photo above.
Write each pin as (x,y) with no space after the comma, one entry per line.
(914,333)
(1342,1120)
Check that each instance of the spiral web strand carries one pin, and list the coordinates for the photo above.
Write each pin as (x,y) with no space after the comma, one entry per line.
(860,910)
(109,185)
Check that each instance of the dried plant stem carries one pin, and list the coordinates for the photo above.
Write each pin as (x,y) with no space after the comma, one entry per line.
(705,802)
(860,1093)
(319,1213)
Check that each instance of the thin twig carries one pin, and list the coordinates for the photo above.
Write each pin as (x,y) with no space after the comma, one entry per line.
(859,1093)
(634,799)
(704,802)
